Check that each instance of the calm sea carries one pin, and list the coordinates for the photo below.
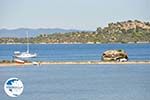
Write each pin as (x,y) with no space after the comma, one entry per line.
(80,82)
(75,52)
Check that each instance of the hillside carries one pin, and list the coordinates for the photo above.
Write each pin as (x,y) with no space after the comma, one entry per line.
(120,32)
(127,31)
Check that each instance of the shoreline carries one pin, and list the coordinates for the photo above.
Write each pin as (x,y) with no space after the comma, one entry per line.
(146,42)
(73,63)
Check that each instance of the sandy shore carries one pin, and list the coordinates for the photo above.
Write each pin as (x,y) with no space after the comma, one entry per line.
(75,62)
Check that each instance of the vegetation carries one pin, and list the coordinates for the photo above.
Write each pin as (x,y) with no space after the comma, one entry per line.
(120,32)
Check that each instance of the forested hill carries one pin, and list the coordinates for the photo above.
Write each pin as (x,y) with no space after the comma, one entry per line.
(120,32)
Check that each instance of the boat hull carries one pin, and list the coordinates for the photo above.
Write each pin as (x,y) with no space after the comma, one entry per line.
(19,61)
(25,55)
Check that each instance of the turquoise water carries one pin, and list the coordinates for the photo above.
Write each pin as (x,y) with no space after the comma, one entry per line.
(80,82)
(75,52)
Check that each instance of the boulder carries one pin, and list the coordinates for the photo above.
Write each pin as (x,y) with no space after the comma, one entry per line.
(115,55)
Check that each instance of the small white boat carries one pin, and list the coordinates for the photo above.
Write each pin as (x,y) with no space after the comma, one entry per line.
(122,60)
(35,63)
(19,61)
(27,54)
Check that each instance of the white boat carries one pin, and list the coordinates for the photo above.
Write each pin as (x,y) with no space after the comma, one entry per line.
(122,60)
(26,54)
(35,63)
(19,61)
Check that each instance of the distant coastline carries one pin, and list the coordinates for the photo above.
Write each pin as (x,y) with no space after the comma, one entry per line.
(79,43)
(121,32)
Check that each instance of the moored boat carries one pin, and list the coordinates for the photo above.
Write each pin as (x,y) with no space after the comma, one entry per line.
(27,54)
(19,61)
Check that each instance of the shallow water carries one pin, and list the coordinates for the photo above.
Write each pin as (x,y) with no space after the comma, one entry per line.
(75,52)
(80,82)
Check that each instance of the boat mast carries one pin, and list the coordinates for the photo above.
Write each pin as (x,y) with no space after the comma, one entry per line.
(27,42)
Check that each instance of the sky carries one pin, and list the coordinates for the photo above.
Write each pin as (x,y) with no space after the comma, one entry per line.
(70,14)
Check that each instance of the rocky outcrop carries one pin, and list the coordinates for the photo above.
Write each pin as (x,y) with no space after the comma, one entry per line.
(115,55)
(124,27)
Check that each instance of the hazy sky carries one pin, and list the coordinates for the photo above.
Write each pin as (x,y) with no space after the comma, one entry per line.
(74,14)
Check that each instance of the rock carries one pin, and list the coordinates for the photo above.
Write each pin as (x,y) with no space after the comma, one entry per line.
(115,55)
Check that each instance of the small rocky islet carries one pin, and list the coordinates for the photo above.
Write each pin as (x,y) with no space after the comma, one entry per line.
(115,55)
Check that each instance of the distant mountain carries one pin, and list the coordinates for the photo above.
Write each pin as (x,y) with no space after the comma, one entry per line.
(21,32)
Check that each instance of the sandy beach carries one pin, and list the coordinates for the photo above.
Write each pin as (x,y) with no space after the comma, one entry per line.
(75,62)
